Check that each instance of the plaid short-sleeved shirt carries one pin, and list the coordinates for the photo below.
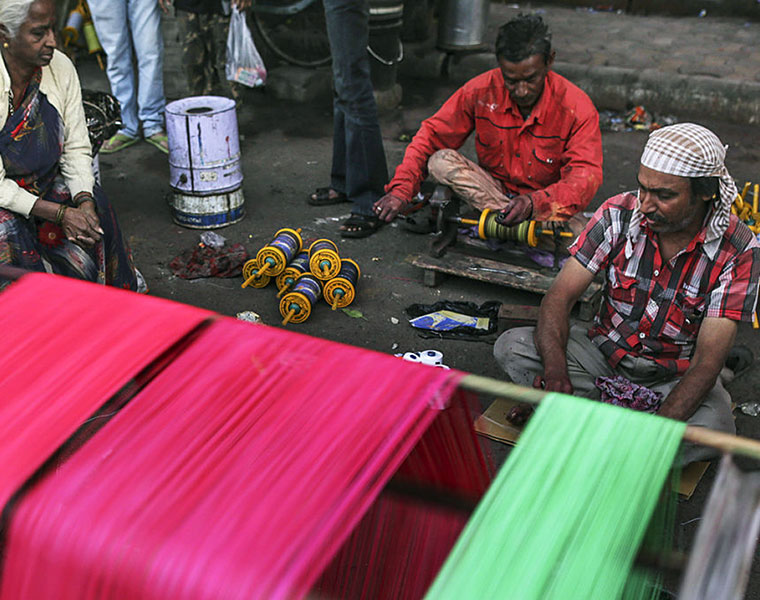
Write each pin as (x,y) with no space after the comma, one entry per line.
(653,309)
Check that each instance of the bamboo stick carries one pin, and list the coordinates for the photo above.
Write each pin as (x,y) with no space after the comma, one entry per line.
(725,442)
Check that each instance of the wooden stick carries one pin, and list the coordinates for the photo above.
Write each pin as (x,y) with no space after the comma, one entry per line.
(725,442)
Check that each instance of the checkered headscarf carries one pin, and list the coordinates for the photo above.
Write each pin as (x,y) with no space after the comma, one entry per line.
(690,150)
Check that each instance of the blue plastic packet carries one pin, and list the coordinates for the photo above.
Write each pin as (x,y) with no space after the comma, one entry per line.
(446,320)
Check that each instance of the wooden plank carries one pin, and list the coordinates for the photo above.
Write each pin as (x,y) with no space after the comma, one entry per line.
(518,312)
(491,271)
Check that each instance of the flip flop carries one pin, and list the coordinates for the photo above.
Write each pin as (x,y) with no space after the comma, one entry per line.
(117,142)
(364,225)
(322,197)
(160,140)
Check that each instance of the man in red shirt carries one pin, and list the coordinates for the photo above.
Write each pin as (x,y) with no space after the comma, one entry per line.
(536,135)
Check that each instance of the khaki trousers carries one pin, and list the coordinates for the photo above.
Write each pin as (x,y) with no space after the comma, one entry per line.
(467,180)
(517,355)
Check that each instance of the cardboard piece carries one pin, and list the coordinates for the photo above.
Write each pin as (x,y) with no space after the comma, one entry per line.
(493,424)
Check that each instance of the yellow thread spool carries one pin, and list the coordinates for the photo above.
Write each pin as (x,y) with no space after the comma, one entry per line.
(252,275)
(526,232)
(295,307)
(755,197)
(745,189)
(340,291)
(324,260)
(275,256)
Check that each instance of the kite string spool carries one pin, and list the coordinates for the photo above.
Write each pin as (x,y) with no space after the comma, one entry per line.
(298,266)
(340,291)
(524,233)
(295,307)
(275,256)
(252,275)
(324,260)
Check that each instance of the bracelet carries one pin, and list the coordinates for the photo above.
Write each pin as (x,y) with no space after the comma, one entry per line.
(59,215)
(81,198)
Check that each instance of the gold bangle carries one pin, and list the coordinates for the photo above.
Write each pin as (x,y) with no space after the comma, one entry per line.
(59,215)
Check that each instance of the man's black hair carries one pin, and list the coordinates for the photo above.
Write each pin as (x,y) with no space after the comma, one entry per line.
(704,186)
(522,37)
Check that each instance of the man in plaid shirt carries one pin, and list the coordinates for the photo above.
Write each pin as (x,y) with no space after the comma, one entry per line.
(680,272)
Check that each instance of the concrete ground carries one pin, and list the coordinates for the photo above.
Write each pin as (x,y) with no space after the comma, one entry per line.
(286,151)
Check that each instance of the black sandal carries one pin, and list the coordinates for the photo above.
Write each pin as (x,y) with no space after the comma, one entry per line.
(322,197)
(362,226)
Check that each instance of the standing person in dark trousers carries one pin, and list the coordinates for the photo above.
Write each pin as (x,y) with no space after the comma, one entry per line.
(204,25)
(359,171)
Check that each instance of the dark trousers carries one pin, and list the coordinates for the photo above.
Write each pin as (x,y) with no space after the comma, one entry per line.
(358,167)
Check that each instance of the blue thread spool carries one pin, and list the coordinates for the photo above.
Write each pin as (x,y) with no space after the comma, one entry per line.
(324,260)
(286,279)
(73,28)
(296,306)
(275,256)
(340,291)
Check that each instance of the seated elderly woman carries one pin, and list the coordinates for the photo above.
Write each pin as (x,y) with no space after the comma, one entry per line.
(53,217)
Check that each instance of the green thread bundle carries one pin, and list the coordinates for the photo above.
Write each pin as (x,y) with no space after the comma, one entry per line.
(568,511)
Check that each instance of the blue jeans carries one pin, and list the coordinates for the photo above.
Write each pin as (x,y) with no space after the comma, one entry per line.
(124,25)
(358,165)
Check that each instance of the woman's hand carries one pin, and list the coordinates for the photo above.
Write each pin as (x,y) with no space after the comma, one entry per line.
(81,225)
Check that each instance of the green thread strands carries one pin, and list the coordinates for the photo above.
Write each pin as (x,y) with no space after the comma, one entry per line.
(568,511)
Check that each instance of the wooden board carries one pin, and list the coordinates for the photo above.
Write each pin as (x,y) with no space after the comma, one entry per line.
(493,424)
(518,313)
(519,277)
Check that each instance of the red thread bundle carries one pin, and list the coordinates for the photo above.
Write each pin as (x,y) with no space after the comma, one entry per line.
(241,470)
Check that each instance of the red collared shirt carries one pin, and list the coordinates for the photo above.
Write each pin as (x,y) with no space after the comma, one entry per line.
(653,309)
(555,155)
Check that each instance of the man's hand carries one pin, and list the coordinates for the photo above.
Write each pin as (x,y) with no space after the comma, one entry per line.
(554,382)
(388,207)
(241,4)
(519,414)
(165,4)
(81,225)
(520,208)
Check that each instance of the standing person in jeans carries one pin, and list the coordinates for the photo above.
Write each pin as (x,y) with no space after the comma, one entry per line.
(124,26)
(359,171)
(204,26)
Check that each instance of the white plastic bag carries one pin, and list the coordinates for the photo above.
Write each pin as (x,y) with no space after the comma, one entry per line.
(244,64)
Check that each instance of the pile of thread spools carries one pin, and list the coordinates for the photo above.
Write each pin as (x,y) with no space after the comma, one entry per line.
(748,210)
(303,276)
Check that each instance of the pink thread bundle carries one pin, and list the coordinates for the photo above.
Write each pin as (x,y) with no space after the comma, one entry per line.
(67,349)
(241,470)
